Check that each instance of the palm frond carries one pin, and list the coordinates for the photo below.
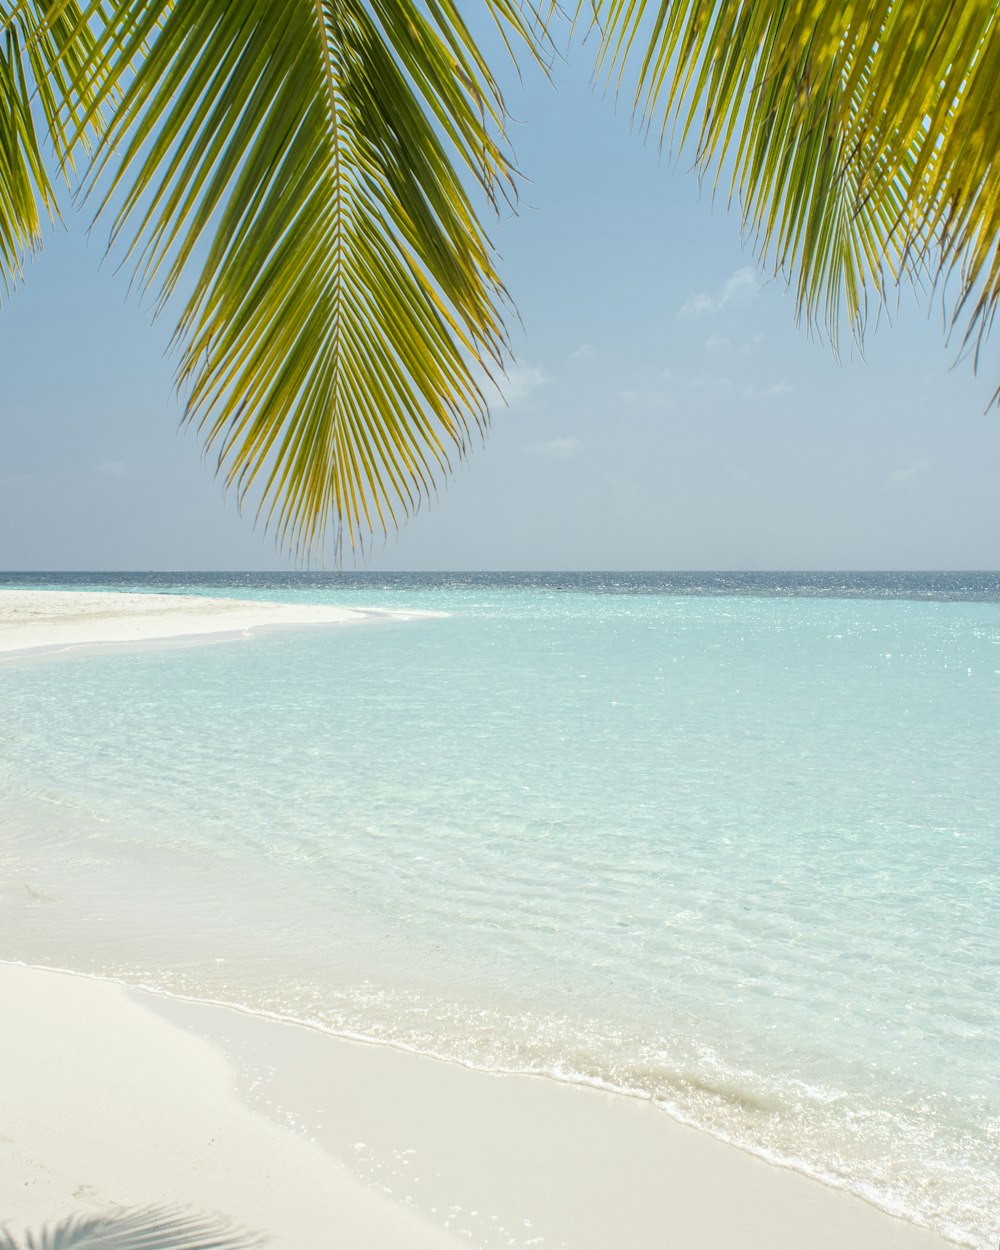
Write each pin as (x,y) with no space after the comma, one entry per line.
(25,189)
(863,134)
(307,162)
(146,1228)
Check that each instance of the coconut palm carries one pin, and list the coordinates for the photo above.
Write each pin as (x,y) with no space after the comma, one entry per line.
(309,177)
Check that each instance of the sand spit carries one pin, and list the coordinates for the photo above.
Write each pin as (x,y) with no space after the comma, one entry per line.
(56,620)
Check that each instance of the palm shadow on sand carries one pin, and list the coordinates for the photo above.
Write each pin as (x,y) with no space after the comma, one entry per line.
(146,1228)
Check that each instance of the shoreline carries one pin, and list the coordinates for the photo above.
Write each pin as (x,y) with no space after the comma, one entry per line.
(384,1146)
(37,623)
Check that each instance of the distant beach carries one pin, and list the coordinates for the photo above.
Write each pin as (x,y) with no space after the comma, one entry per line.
(52,620)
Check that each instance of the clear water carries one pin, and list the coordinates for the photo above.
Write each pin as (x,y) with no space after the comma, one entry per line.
(731,843)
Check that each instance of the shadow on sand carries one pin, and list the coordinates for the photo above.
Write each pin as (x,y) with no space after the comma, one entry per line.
(146,1228)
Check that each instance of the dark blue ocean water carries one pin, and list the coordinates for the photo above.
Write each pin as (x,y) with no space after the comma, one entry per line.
(972,587)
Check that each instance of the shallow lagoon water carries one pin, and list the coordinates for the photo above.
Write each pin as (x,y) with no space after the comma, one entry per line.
(731,844)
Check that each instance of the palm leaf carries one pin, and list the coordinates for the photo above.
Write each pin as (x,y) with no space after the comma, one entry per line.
(862,135)
(43,46)
(25,188)
(23,180)
(300,166)
(147,1228)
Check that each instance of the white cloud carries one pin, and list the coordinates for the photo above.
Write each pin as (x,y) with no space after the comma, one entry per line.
(774,391)
(739,287)
(112,468)
(583,352)
(557,448)
(520,381)
(711,383)
(752,345)
(717,345)
(899,476)
(697,305)
(738,475)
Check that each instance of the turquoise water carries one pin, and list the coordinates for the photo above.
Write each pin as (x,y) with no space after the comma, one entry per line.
(731,844)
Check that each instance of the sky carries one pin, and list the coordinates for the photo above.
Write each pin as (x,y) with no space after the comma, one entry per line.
(663,411)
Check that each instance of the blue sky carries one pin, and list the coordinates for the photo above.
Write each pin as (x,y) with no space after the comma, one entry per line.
(664,410)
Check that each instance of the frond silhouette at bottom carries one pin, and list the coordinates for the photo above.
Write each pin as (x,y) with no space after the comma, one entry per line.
(145,1228)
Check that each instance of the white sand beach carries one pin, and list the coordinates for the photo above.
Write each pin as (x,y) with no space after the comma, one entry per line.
(54,620)
(112,1097)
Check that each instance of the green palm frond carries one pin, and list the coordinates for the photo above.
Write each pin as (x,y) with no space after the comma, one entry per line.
(23,178)
(147,1228)
(26,192)
(307,161)
(862,135)
(43,46)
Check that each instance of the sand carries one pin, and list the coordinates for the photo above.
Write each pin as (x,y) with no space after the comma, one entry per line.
(104,1104)
(115,1097)
(54,620)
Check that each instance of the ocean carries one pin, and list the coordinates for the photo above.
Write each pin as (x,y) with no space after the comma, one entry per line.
(728,842)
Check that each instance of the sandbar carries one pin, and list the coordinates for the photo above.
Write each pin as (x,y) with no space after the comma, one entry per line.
(57,620)
(111,1096)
